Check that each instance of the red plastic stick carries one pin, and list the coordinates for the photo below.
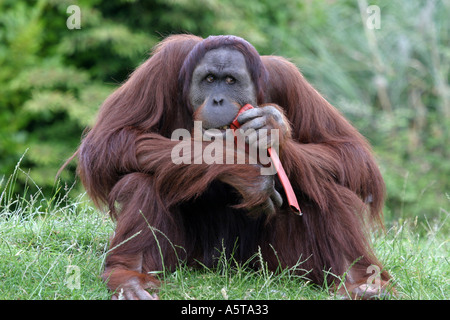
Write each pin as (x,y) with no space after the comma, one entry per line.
(290,195)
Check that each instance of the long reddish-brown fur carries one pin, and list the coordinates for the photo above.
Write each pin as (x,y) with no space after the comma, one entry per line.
(167,212)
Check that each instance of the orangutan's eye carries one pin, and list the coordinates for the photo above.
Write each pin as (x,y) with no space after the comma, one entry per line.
(230,80)
(210,78)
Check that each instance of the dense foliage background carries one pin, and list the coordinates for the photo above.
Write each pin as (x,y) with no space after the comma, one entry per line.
(392,82)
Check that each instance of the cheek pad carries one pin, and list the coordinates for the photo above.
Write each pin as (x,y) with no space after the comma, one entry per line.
(196,96)
(246,94)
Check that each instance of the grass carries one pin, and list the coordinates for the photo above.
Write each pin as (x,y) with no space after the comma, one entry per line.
(37,249)
(42,239)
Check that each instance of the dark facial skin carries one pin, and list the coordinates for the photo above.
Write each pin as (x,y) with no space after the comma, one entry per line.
(221,84)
